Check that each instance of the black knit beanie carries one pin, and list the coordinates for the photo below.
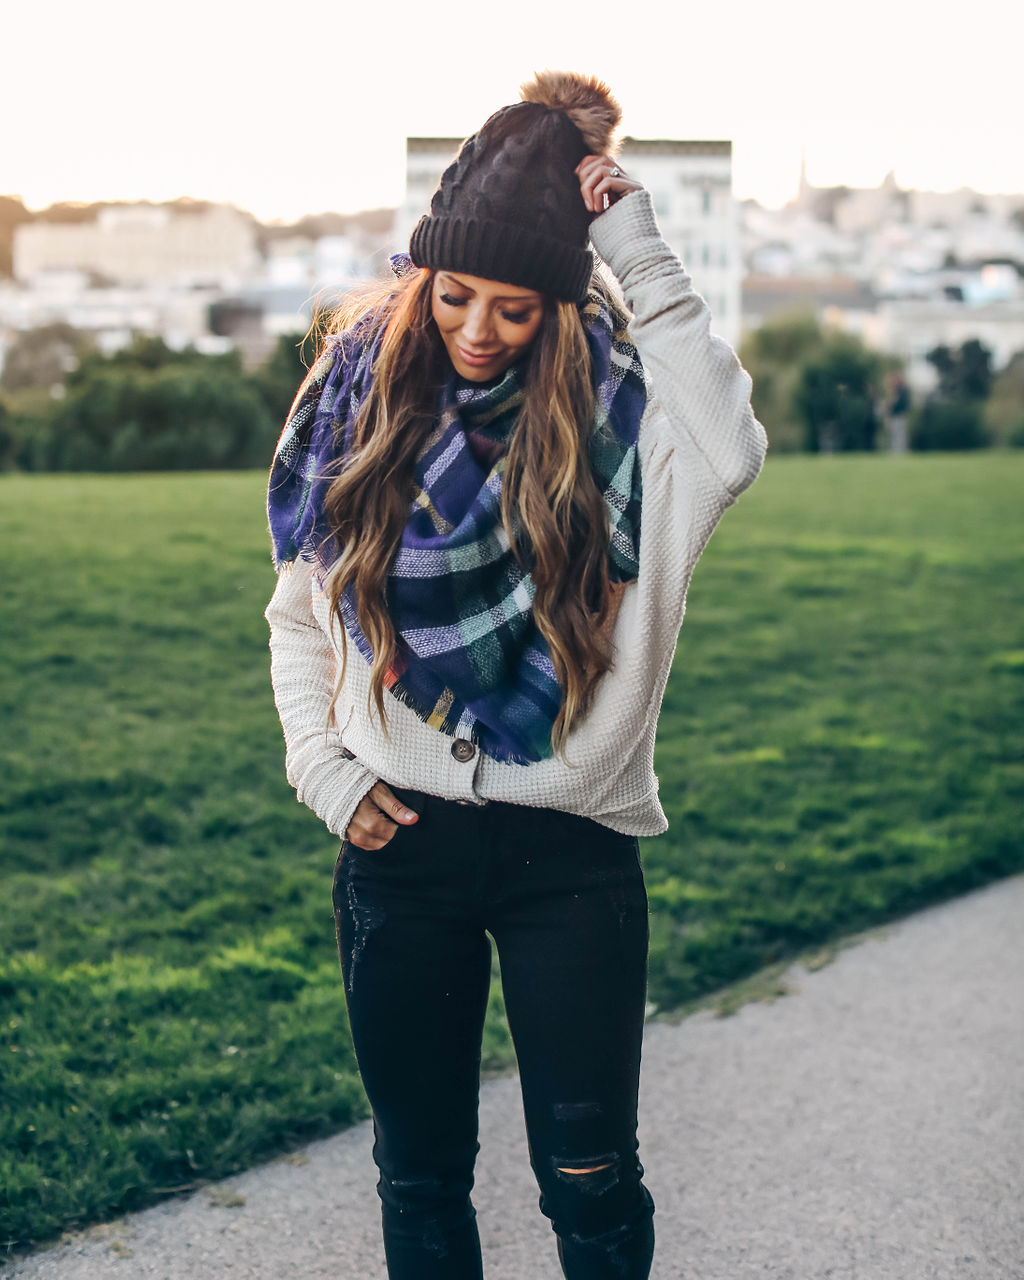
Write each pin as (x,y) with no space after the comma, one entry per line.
(509,207)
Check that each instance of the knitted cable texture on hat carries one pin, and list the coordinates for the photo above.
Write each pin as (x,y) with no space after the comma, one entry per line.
(509,207)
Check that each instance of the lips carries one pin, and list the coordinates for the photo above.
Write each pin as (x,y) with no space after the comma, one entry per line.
(477,358)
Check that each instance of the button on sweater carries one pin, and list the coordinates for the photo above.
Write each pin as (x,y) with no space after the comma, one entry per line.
(700,447)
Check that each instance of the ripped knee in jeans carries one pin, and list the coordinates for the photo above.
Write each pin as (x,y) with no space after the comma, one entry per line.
(593,1175)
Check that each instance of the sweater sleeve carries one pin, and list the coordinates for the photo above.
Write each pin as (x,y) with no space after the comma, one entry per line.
(697,378)
(302,667)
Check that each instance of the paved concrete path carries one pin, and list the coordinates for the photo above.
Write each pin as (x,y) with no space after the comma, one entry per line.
(868,1126)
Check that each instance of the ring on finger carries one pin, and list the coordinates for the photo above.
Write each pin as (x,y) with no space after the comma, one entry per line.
(615,172)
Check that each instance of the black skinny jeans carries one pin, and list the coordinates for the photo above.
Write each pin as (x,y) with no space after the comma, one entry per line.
(564,900)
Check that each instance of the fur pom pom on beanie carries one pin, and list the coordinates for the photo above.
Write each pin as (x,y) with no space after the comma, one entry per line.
(587,102)
(509,207)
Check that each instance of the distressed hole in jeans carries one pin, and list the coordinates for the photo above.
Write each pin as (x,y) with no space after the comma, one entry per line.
(364,920)
(621,902)
(577,1110)
(593,1175)
(434,1239)
(413,1191)
(622,1247)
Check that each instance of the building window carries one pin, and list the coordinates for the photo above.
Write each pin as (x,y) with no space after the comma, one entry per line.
(705,202)
(662,203)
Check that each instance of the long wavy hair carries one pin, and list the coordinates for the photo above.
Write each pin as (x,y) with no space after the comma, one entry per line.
(552,510)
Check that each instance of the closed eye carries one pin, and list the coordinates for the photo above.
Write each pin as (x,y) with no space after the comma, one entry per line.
(515,317)
(449,301)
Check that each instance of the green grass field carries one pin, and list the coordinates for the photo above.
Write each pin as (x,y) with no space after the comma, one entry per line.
(842,741)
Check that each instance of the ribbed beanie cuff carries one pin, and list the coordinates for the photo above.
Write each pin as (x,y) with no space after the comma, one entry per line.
(509,206)
(496,250)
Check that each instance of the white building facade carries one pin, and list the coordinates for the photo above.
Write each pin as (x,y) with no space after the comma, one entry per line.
(690,183)
(910,328)
(142,245)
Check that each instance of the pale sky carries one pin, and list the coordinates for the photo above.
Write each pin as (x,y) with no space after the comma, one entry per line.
(286,109)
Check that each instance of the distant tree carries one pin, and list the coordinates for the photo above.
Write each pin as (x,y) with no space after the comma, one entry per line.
(1004,408)
(12,214)
(182,416)
(43,358)
(943,362)
(965,373)
(786,338)
(773,355)
(836,396)
(279,377)
(74,211)
(188,204)
(146,351)
(28,428)
(149,407)
(953,415)
(7,440)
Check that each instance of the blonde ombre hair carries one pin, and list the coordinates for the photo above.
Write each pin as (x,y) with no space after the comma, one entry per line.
(552,510)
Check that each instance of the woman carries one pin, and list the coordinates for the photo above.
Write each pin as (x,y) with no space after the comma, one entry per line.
(470,650)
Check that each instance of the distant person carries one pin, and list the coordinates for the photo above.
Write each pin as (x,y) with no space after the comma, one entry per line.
(897,407)
(489,519)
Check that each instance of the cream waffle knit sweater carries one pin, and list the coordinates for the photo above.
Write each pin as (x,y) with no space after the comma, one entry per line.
(700,446)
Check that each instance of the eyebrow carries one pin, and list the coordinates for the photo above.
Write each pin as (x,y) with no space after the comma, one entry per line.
(525,299)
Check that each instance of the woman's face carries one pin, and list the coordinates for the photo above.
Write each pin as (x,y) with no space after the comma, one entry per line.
(486,326)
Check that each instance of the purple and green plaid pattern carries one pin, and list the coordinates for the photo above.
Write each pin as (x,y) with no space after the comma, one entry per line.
(469,658)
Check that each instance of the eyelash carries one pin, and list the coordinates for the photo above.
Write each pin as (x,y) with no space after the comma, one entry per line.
(513,317)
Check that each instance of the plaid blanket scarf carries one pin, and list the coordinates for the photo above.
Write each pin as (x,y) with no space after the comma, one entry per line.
(469,658)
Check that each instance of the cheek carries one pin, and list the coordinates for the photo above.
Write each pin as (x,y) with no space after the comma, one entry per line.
(442,315)
(523,334)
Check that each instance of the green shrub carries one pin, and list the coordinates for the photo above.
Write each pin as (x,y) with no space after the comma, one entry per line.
(949,425)
(195,415)
(835,396)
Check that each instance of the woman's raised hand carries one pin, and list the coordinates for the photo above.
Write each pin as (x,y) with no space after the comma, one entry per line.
(602,182)
(377,817)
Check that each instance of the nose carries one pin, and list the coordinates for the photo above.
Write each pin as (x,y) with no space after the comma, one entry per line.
(478,327)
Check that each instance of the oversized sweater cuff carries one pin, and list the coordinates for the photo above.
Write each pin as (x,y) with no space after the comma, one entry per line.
(329,782)
(625,235)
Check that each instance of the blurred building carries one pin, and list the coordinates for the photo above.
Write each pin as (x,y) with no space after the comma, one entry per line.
(111,315)
(905,270)
(910,328)
(133,245)
(691,186)
(189,272)
(834,299)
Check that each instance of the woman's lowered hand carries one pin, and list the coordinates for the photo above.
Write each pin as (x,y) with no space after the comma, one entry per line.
(377,817)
